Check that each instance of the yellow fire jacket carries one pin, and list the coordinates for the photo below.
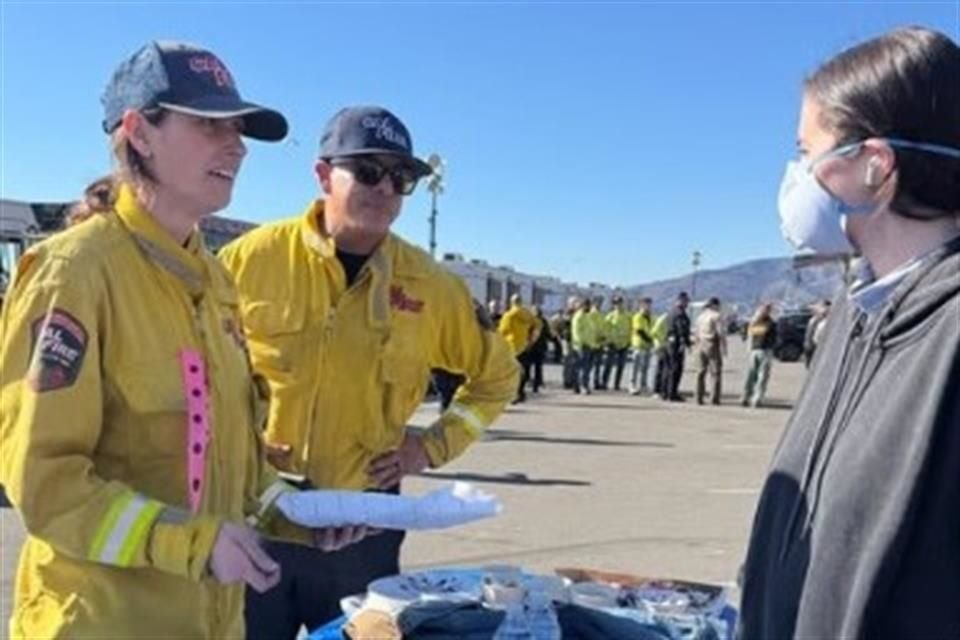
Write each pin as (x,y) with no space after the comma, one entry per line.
(642,336)
(519,326)
(94,433)
(348,366)
(600,326)
(585,332)
(660,330)
(618,328)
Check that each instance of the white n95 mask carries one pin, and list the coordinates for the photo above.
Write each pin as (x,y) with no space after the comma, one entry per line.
(813,219)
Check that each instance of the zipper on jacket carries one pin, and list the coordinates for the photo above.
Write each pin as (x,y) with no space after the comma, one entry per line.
(813,455)
(325,337)
(853,398)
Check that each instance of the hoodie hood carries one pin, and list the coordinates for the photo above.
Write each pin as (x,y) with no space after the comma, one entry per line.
(923,294)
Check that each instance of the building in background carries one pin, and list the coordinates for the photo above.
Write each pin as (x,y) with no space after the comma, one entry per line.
(487,282)
(24,223)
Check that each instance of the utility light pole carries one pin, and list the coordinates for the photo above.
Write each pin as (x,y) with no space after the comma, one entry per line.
(435,186)
(696,260)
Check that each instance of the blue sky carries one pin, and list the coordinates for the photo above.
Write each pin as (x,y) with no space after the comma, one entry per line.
(592,141)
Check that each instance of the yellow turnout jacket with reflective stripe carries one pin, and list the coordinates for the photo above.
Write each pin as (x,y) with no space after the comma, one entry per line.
(93,432)
(348,366)
(518,326)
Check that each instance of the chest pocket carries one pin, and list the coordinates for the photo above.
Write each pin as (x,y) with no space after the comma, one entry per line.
(405,377)
(152,397)
(275,335)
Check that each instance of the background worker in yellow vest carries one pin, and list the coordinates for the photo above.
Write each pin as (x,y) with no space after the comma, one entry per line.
(564,330)
(520,328)
(345,321)
(130,435)
(617,324)
(586,343)
(641,339)
(660,327)
(596,317)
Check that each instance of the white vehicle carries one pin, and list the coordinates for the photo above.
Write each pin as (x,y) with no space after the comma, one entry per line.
(18,230)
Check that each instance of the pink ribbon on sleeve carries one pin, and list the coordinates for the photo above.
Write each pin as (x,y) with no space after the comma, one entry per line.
(195,390)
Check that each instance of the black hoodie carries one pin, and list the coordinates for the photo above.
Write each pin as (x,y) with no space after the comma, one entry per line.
(857,532)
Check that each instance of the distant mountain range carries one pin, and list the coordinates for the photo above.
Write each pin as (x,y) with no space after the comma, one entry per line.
(745,285)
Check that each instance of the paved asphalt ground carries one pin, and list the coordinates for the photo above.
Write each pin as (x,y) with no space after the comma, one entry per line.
(606,481)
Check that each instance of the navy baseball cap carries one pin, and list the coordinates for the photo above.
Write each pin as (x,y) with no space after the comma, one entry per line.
(357,131)
(184,78)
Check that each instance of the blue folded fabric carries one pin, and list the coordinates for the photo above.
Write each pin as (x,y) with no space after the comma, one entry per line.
(333,630)
(451,621)
(584,623)
(458,621)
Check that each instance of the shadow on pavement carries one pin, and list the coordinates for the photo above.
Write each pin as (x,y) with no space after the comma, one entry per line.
(780,405)
(603,405)
(506,478)
(502,435)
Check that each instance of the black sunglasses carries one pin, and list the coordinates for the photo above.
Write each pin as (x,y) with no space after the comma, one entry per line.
(369,172)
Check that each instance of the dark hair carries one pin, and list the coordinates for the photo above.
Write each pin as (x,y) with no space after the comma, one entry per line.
(903,84)
(101,194)
(98,197)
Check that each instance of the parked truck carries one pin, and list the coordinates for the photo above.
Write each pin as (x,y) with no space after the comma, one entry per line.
(19,228)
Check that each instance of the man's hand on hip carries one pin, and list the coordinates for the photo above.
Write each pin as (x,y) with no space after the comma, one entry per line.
(278,454)
(388,469)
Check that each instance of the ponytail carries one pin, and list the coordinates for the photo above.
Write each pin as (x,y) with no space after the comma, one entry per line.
(130,167)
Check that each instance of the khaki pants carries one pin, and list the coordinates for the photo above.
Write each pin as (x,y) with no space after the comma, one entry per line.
(710,360)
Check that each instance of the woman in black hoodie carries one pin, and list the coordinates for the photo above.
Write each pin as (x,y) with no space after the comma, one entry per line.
(857,532)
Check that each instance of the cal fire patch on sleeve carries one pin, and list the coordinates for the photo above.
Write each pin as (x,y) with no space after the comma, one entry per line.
(59,344)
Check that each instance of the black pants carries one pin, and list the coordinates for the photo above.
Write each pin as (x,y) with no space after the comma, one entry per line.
(534,372)
(557,350)
(616,360)
(659,376)
(523,359)
(313,583)
(673,372)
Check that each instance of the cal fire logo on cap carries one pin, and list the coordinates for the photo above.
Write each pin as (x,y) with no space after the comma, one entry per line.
(59,344)
(210,64)
(383,128)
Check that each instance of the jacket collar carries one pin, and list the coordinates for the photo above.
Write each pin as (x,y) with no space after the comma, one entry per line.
(379,264)
(389,254)
(186,263)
